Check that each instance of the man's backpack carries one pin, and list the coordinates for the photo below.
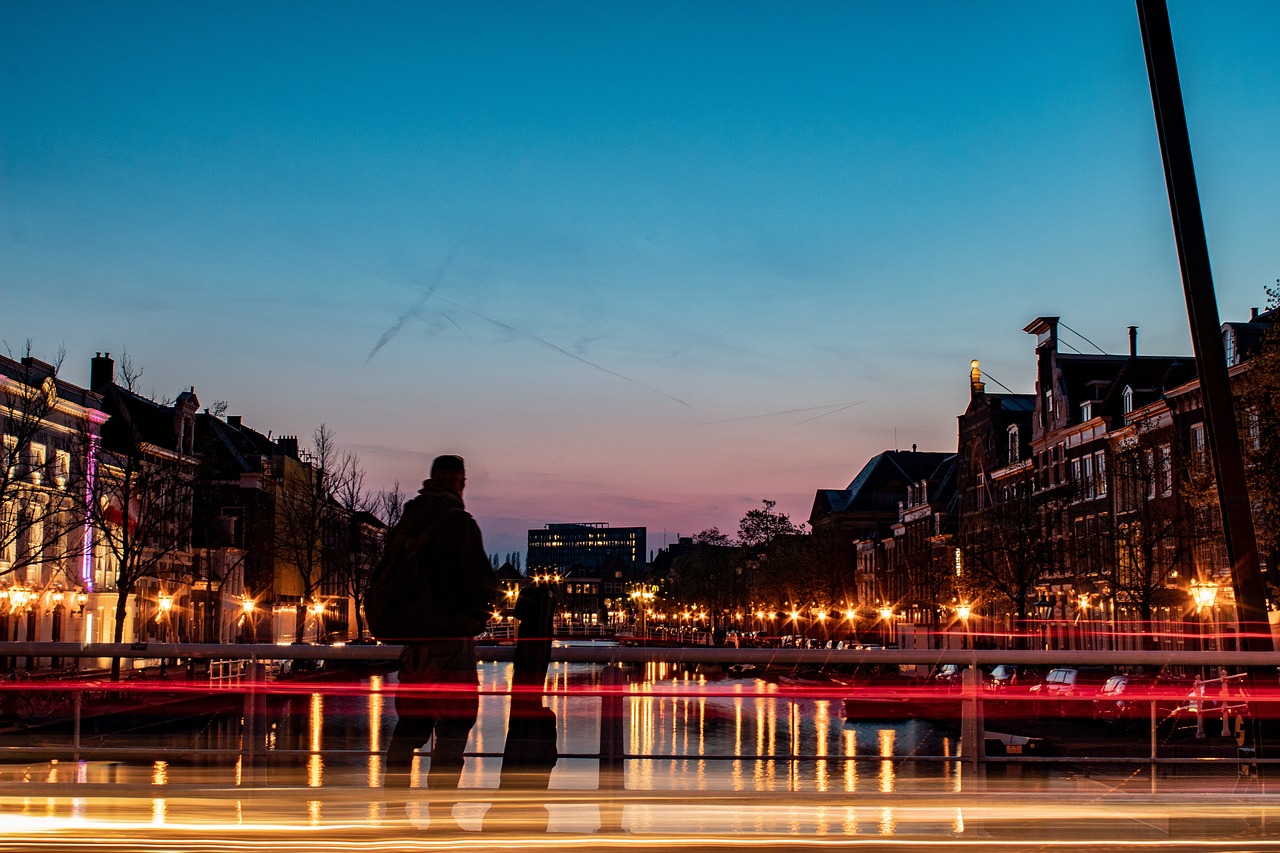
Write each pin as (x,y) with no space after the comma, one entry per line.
(400,602)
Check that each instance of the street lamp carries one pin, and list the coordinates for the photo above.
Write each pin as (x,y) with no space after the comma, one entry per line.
(1205,595)
(166,604)
(886,615)
(247,605)
(642,598)
(964,611)
(794,618)
(1044,608)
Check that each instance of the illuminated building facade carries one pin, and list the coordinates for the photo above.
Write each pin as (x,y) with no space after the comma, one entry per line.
(591,545)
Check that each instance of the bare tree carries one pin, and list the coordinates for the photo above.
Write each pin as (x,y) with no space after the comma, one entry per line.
(1149,532)
(1260,430)
(390,505)
(305,511)
(141,505)
(41,474)
(1009,548)
(359,544)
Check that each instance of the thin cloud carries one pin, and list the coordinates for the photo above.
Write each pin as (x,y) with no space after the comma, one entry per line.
(826,410)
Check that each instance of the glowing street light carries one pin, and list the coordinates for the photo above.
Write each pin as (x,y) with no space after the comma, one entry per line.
(248,605)
(1205,593)
(964,610)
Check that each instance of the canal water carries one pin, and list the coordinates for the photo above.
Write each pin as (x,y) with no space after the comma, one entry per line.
(694,731)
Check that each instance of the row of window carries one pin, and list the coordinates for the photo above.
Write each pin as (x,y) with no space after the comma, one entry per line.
(36,466)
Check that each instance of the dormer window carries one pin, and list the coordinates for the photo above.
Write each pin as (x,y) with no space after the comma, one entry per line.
(1086,411)
(1015,446)
(1229,345)
(1128,399)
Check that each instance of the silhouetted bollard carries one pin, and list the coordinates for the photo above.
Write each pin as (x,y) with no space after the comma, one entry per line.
(612,780)
(972,728)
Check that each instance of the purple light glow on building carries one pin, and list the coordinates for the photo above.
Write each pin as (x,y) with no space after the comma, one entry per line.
(91,471)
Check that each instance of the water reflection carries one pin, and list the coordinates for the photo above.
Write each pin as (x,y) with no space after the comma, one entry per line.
(687,730)
(676,732)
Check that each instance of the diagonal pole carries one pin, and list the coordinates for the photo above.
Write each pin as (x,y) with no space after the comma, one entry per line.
(1202,312)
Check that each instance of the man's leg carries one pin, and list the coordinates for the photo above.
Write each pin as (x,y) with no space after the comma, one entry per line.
(456,708)
(414,725)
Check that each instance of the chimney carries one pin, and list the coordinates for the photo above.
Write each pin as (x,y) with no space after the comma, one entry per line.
(233,421)
(288,444)
(102,372)
(976,385)
(1253,314)
(1133,342)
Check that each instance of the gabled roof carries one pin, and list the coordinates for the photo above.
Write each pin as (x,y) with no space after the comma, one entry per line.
(134,417)
(1103,378)
(507,572)
(882,482)
(234,445)
(1013,402)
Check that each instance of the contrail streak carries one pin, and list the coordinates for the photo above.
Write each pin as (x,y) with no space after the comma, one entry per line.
(429,293)
(546,343)
(825,414)
(413,312)
(835,407)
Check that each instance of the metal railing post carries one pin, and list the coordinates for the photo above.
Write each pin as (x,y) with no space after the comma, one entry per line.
(249,731)
(77,704)
(612,778)
(972,728)
(611,741)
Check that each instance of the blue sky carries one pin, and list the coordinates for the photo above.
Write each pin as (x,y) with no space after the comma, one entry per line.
(644,263)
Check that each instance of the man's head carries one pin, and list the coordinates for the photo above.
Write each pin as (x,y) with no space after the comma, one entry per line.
(450,472)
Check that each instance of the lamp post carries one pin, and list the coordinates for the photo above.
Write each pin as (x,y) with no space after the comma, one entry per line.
(247,605)
(1082,613)
(964,611)
(1205,595)
(643,598)
(165,602)
(317,611)
(886,616)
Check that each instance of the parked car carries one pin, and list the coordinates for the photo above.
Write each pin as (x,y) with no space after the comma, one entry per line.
(1126,700)
(1068,691)
(948,674)
(1007,675)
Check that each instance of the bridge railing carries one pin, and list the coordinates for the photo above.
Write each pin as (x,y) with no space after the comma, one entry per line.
(245,669)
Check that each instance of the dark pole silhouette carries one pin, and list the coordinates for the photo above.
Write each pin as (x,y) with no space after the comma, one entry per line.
(1202,312)
(530,752)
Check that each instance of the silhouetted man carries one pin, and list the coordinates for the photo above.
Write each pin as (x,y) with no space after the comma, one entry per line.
(440,686)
